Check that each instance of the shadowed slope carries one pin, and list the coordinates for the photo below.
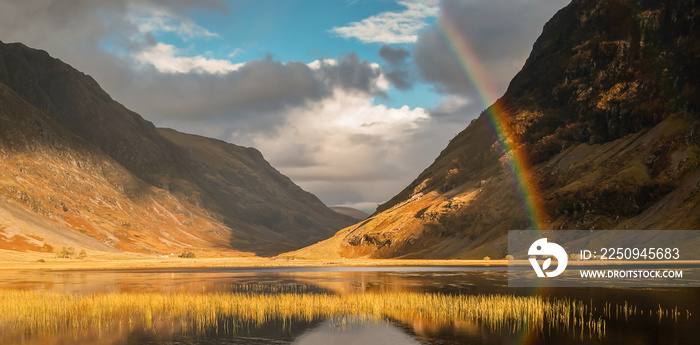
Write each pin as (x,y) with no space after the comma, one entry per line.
(276,213)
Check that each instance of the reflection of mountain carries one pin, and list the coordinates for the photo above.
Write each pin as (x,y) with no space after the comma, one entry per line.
(243,332)
(607,111)
(81,170)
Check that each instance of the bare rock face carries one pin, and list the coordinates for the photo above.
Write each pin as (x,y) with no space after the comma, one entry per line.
(75,156)
(607,111)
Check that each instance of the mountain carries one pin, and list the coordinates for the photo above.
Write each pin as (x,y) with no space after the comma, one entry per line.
(76,158)
(606,111)
(350,212)
(252,195)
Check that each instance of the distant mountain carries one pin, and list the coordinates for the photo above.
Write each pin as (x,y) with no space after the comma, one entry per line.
(75,157)
(350,212)
(607,111)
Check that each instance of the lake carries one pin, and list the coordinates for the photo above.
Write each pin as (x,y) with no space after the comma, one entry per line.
(630,315)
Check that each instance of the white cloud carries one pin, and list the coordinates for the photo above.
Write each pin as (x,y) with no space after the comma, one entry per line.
(333,145)
(149,20)
(235,52)
(164,57)
(317,64)
(167,58)
(392,27)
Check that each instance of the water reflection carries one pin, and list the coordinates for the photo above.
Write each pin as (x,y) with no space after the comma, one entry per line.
(352,332)
(199,280)
(675,323)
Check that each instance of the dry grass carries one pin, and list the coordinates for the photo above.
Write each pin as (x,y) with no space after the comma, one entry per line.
(100,260)
(44,314)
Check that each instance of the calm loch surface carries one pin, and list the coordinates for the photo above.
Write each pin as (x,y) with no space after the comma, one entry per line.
(601,315)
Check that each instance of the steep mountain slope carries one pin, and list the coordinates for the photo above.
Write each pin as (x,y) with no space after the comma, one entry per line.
(243,202)
(607,110)
(276,213)
(63,191)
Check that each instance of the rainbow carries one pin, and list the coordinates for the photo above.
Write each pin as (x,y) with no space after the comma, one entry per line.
(517,162)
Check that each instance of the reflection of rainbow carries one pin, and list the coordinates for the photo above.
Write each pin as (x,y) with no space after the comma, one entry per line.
(517,164)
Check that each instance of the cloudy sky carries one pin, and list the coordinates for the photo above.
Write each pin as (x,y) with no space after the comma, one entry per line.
(350,99)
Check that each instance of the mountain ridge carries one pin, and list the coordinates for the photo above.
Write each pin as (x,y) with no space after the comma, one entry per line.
(82,116)
(606,108)
(352,212)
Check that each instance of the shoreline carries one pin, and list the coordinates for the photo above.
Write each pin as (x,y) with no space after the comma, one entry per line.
(23,261)
(97,262)
(233,263)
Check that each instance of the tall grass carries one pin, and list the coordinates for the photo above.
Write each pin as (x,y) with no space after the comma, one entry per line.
(44,313)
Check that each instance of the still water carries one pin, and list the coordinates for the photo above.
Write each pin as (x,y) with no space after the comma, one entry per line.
(662,316)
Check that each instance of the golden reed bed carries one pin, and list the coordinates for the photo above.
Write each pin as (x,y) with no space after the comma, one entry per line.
(37,314)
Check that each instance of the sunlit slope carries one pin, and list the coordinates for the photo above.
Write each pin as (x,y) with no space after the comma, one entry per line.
(606,113)
(221,195)
(59,190)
